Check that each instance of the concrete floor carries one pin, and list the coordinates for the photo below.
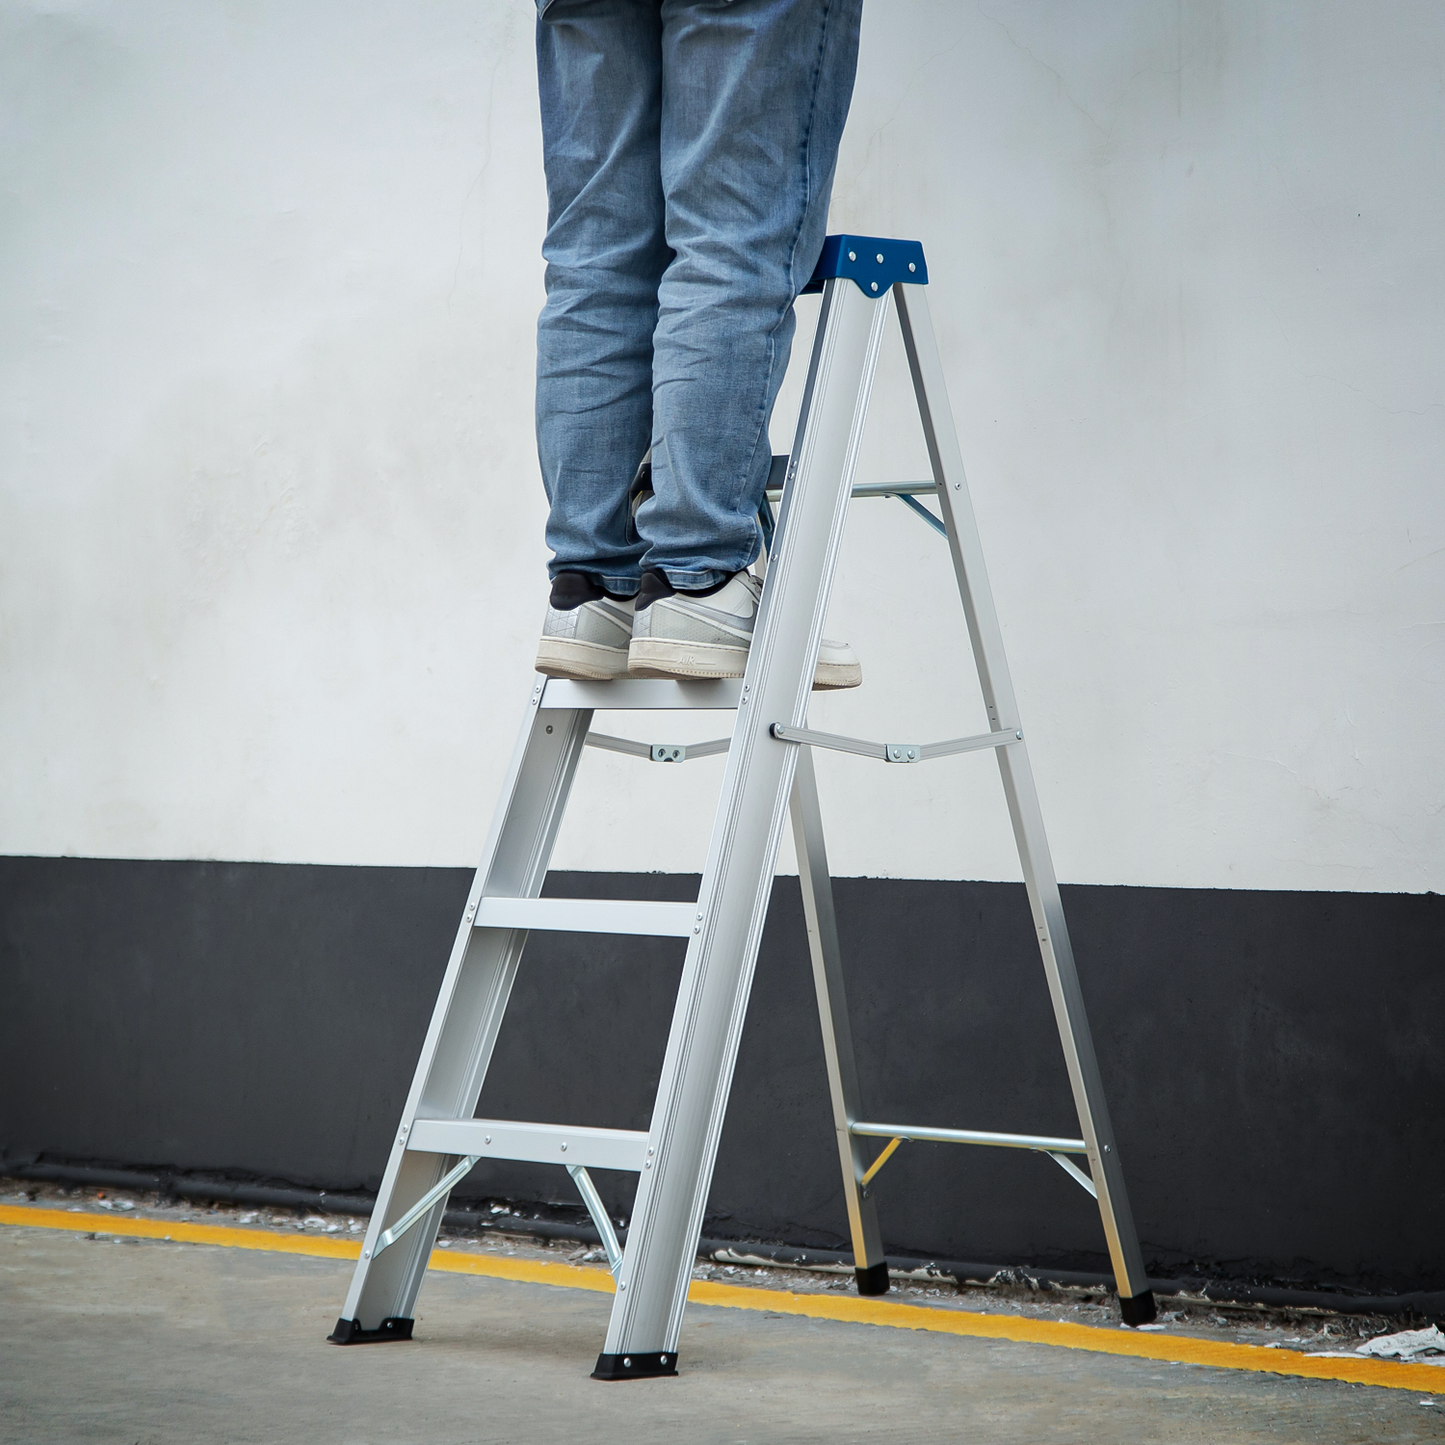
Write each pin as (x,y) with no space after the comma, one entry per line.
(143,1342)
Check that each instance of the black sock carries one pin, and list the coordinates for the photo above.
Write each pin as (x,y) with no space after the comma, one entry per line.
(571,589)
(655,586)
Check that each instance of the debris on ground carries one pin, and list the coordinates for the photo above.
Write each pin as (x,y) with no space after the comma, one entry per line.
(1013,1292)
(1419,1347)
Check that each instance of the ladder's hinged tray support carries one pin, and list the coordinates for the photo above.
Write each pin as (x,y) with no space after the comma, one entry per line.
(768,774)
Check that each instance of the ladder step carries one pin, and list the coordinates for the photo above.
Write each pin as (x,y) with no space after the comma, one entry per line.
(589,915)
(641,694)
(531,1143)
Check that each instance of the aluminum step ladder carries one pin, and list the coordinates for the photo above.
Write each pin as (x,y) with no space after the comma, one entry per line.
(769,767)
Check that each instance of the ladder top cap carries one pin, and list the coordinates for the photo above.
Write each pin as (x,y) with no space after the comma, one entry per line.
(875,263)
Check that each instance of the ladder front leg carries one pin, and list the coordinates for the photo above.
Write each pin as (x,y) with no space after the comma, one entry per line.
(465,1021)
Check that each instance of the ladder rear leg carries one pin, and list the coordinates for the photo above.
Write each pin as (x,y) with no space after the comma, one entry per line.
(870,1267)
(925,365)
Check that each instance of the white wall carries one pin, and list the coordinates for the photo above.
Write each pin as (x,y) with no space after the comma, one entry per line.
(270,523)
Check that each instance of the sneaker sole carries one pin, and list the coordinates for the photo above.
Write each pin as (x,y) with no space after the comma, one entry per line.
(651,657)
(831,676)
(656,657)
(580,661)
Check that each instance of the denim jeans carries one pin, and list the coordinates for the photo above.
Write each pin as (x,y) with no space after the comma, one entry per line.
(689,149)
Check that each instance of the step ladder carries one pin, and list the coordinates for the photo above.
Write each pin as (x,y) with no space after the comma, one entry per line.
(769,771)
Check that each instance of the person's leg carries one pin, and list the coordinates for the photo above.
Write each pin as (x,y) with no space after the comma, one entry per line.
(754,97)
(599,79)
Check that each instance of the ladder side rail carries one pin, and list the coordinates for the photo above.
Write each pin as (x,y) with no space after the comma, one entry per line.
(822,925)
(941,436)
(470,1005)
(737,880)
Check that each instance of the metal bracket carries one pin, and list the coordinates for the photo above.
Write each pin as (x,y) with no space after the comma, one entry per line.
(896,752)
(590,1197)
(1073,1171)
(658,752)
(918,507)
(388,1237)
(881,1160)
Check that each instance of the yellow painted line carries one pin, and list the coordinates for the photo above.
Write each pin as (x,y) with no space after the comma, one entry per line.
(846,1309)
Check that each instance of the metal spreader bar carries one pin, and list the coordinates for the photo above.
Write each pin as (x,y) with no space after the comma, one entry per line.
(768,773)
(896,752)
(658,752)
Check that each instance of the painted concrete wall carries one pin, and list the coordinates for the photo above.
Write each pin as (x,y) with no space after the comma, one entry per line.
(270,524)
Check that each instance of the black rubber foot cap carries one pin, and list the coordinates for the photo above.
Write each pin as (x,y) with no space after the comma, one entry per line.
(874,1279)
(1138,1309)
(634,1367)
(349,1332)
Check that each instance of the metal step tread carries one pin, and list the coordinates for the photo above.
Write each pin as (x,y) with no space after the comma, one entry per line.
(643,694)
(641,917)
(531,1143)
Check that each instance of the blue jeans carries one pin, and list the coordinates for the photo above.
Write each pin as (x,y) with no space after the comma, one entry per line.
(689,148)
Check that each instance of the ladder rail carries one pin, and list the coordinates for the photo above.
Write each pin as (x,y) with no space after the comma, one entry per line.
(940,435)
(821,921)
(469,1009)
(717,972)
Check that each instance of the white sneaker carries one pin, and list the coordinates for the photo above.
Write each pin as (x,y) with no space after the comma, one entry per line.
(680,635)
(838,666)
(586,637)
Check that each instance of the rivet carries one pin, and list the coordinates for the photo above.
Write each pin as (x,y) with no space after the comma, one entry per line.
(911,266)
(662,1359)
(880,258)
(549,727)
(874,285)
(366,1254)
(647,1164)
(852,255)
(627,1359)
(1019,734)
(487,1140)
(1106,1148)
(651,1149)
(564,1148)
(623,1285)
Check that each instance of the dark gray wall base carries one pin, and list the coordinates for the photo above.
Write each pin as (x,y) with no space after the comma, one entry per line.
(1272,1059)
